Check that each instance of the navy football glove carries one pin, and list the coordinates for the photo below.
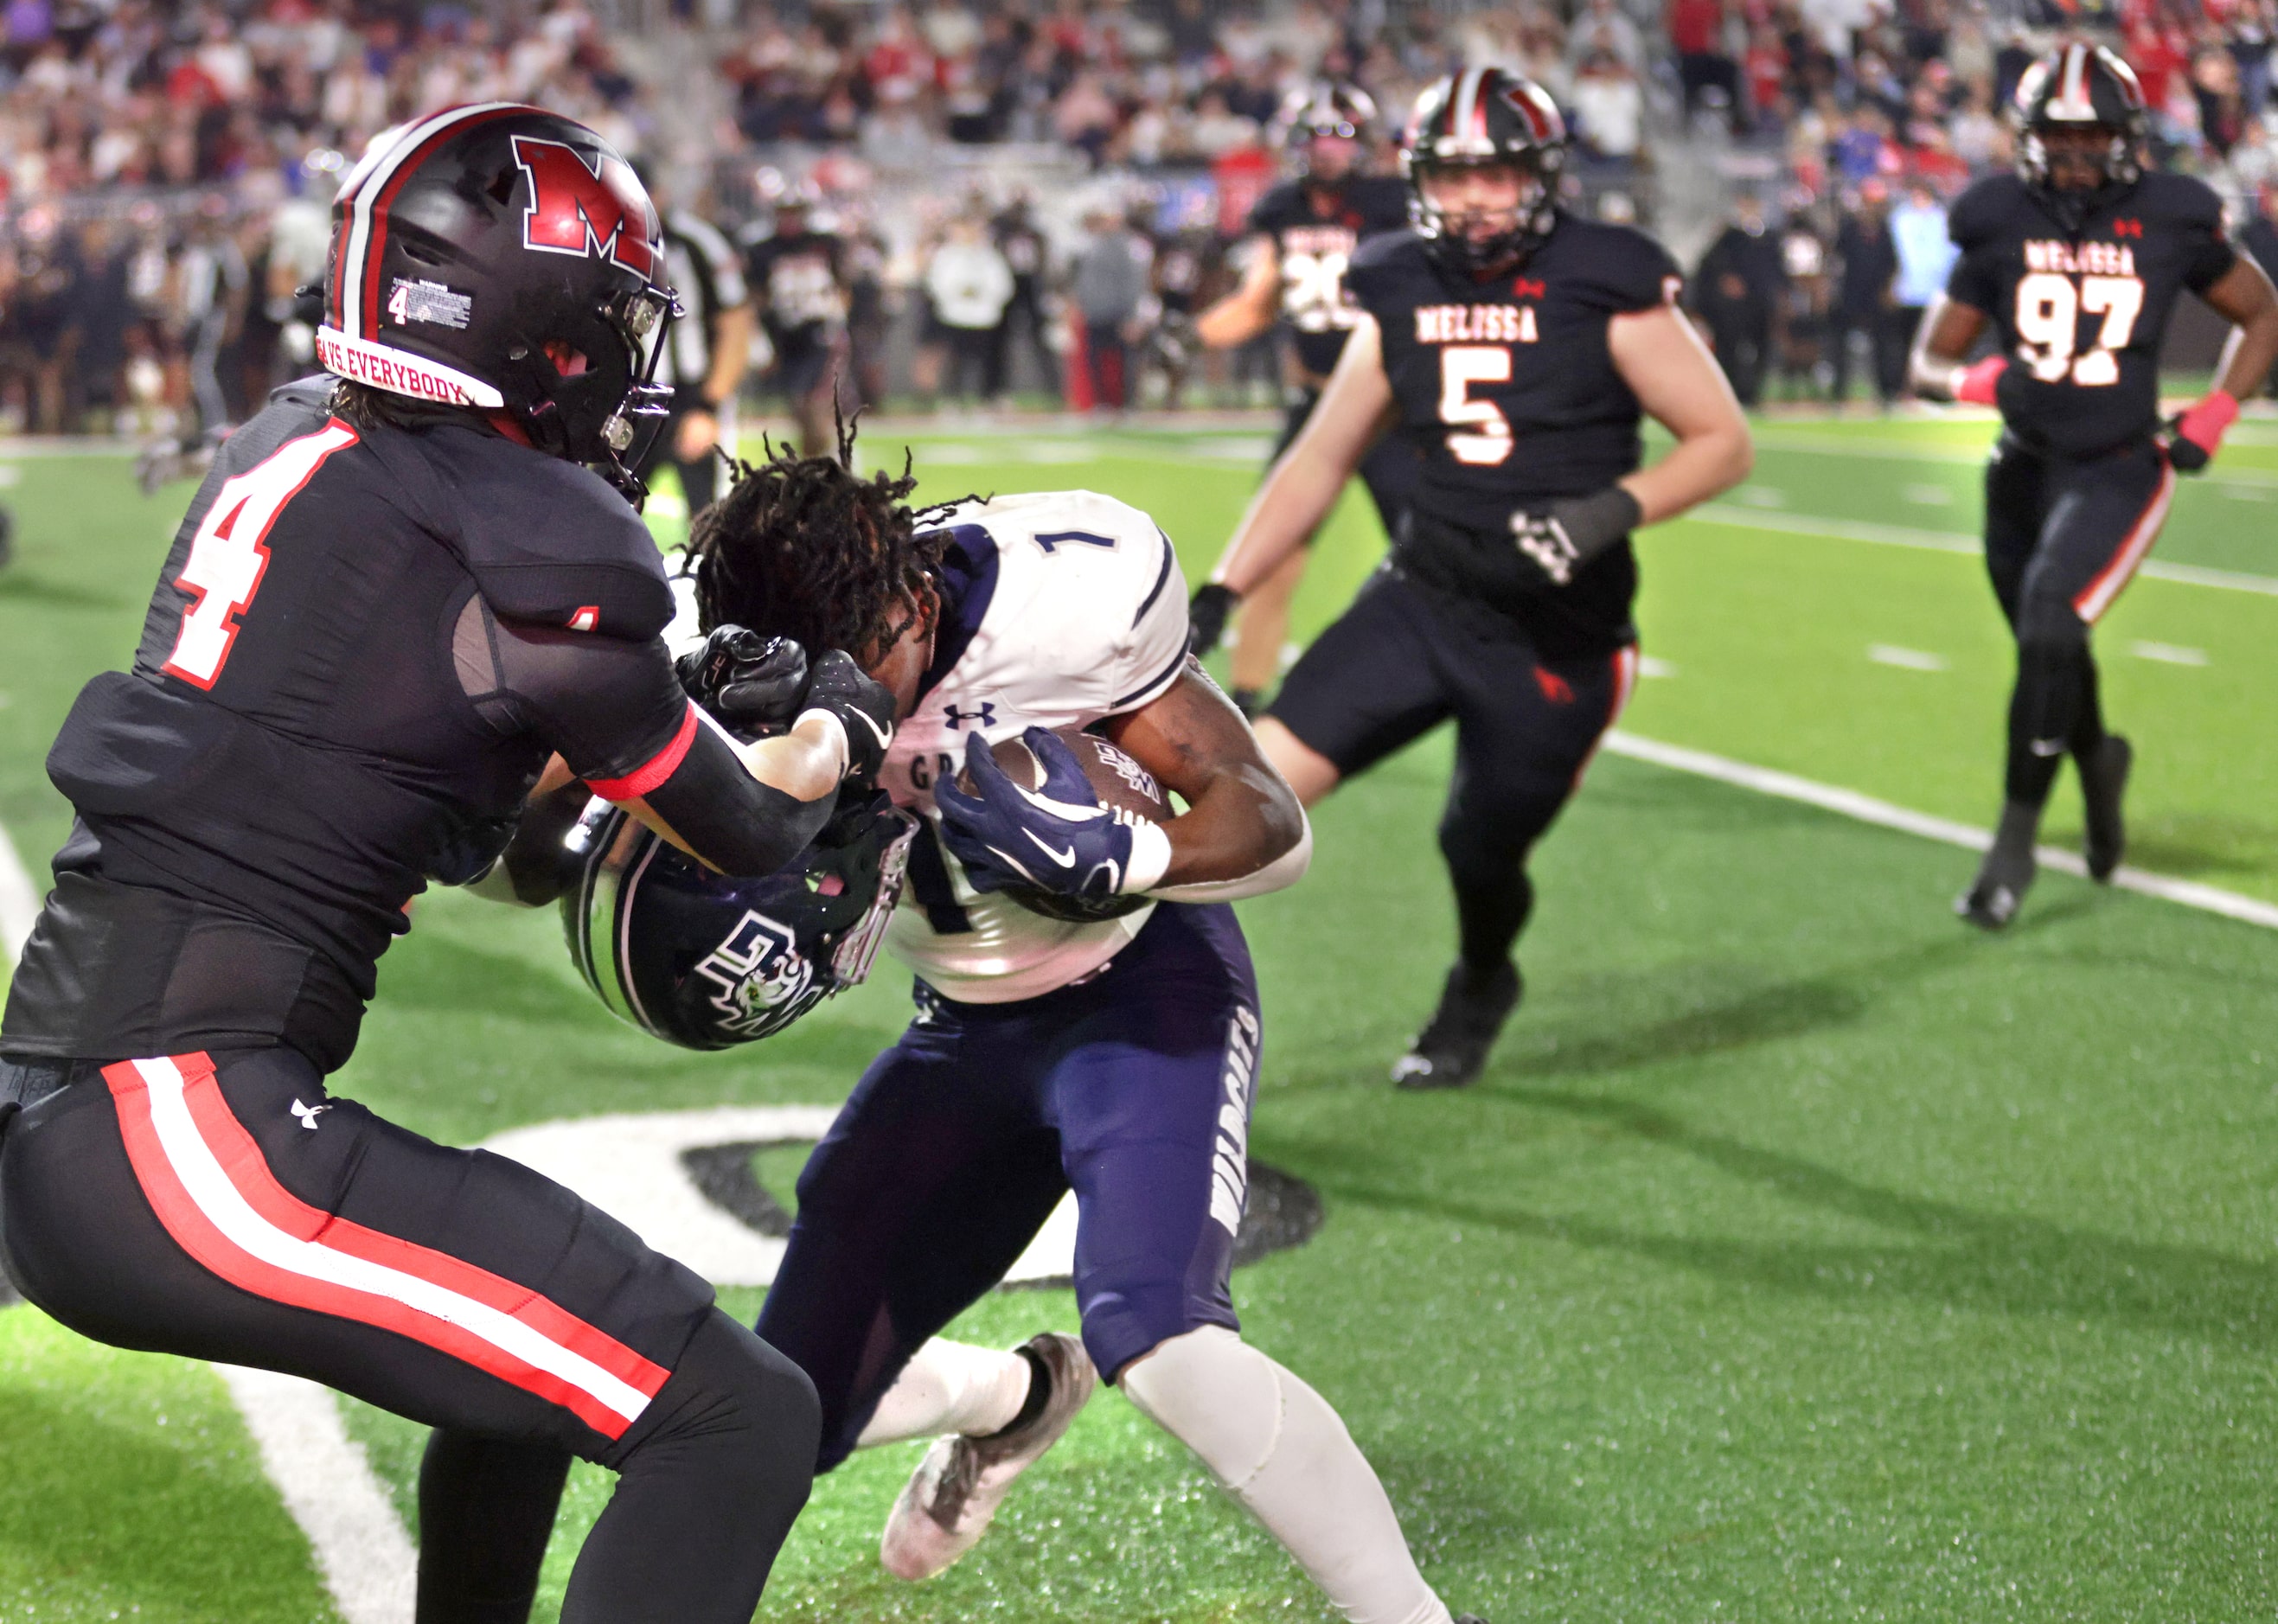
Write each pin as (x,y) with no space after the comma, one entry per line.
(1056,838)
(1562,542)
(750,683)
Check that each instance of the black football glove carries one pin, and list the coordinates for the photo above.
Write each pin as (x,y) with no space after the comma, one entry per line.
(750,683)
(1574,530)
(840,688)
(1207,616)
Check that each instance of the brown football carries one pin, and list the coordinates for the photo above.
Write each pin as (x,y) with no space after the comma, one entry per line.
(1116,778)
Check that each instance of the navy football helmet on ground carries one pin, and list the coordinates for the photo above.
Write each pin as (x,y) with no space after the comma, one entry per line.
(708,961)
(501,257)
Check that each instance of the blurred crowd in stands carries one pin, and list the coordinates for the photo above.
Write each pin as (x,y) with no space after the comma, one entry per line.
(1024,196)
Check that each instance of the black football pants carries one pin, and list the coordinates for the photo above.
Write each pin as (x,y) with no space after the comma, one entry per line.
(2063,537)
(227,1208)
(1406,658)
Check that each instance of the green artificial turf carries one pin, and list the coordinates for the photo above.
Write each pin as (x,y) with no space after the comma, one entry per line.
(1802,1255)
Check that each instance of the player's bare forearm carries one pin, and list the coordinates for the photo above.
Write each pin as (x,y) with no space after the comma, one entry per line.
(806,763)
(1305,484)
(1681,387)
(2243,297)
(1948,333)
(1240,814)
(1246,311)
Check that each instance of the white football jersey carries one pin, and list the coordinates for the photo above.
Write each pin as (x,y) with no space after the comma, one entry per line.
(1070,607)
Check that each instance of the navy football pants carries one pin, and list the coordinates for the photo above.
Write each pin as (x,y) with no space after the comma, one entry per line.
(1133,1088)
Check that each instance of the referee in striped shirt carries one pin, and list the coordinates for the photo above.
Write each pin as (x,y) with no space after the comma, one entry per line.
(706,351)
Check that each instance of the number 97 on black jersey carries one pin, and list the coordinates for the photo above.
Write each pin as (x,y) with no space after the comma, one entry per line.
(2081,313)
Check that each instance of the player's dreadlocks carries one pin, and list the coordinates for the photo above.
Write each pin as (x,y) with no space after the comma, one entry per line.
(804,548)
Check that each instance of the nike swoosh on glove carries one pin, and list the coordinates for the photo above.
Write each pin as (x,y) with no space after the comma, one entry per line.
(1056,837)
(749,683)
(2199,432)
(841,689)
(1576,529)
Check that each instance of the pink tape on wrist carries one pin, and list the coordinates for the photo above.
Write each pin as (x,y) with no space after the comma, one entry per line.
(1977,382)
(2204,423)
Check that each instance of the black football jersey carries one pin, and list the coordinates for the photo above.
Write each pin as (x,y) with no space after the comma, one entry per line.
(1507,394)
(1314,232)
(295,748)
(2081,314)
(801,285)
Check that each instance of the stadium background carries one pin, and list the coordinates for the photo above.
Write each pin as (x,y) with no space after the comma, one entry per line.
(1801,1256)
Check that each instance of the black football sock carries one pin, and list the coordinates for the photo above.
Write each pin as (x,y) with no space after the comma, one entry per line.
(486,1508)
(2044,709)
(1491,908)
(1247,701)
(2088,722)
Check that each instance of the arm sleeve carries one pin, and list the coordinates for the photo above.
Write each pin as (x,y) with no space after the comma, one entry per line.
(617,714)
(1154,652)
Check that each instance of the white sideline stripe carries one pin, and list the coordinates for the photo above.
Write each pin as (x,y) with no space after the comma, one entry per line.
(366,1560)
(1899,451)
(1867,809)
(19,901)
(226,1208)
(1951,541)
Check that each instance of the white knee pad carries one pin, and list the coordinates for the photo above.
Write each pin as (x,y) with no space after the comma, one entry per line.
(1275,1444)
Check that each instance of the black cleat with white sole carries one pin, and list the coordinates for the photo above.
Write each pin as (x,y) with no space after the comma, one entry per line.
(2103,782)
(1452,1049)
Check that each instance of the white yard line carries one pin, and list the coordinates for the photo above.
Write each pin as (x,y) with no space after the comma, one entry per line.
(367,1560)
(1900,450)
(1952,541)
(19,901)
(1867,809)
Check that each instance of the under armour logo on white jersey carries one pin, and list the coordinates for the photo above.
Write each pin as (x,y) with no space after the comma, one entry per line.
(307,1114)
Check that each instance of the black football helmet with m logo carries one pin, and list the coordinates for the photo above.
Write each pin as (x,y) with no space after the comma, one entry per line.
(500,257)
(1485,118)
(2087,89)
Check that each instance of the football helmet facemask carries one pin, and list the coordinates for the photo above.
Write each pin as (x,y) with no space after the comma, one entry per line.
(1479,119)
(2082,90)
(502,258)
(1333,108)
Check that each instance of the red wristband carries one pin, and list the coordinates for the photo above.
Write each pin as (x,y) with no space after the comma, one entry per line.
(2206,423)
(1975,384)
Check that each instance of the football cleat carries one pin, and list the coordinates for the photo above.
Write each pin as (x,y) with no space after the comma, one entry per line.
(1452,1049)
(2103,780)
(2003,878)
(952,1497)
